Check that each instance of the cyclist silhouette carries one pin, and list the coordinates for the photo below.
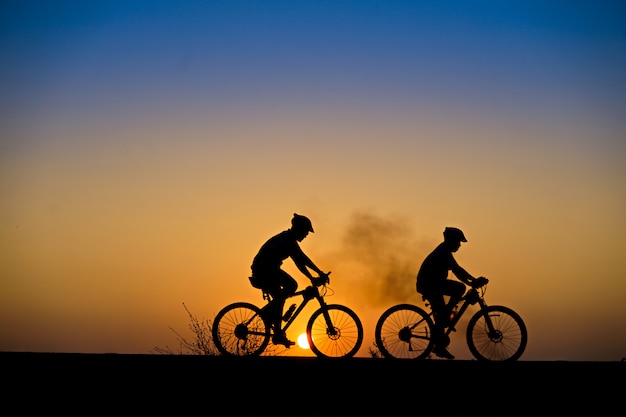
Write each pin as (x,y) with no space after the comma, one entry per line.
(268,275)
(433,283)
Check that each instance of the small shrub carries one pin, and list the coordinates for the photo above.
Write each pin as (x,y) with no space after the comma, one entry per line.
(201,344)
(374,351)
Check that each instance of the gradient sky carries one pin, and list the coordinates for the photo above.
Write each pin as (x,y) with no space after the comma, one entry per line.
(148,148)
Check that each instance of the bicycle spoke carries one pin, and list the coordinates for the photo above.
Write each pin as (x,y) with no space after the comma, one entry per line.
(404,332)
(504,340)
(239,330)
(342,339)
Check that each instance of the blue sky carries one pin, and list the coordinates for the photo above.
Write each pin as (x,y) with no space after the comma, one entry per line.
(555,57)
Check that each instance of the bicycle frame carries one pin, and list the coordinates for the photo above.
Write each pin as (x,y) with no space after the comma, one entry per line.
(472,297)
(309,293)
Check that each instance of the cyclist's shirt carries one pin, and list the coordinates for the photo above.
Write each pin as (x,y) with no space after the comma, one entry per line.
(433,273)
(273,252)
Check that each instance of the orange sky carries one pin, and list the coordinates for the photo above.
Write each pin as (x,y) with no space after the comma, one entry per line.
(104,246)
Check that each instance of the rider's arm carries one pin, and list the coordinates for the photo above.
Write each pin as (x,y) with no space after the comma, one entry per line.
(304,263)
(462,274)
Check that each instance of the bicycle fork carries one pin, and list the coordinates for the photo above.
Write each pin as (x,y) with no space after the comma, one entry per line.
(493,333)
(331,330)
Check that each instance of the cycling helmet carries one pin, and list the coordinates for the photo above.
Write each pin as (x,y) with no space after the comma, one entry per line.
(301,222)
(454,234)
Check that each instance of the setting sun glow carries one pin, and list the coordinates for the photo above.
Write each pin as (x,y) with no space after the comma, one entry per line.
(303,341)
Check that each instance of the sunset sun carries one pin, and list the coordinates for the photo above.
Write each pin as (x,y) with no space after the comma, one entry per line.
(303,341)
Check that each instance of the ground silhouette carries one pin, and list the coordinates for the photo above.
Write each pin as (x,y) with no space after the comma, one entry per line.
(308,387)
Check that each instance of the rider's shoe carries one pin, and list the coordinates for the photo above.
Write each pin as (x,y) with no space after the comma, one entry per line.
(442,352)
(281,339)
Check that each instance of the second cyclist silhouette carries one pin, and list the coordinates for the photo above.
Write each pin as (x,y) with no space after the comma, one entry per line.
(268,275)
(433,284)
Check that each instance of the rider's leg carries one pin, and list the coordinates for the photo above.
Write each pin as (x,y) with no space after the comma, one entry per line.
(441,319)
(273,310)
(287,287)
(455,290)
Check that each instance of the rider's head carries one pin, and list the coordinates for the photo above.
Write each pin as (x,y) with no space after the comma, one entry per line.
(453,237)
(301,225)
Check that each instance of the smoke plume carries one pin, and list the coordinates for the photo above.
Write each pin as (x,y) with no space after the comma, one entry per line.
(385,255)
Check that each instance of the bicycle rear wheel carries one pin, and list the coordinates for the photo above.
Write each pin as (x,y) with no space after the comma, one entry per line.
(341,340)
(239,330)
(404,331)
(506,342)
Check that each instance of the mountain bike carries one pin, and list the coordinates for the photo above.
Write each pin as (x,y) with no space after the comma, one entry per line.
(494,333)
(333,330)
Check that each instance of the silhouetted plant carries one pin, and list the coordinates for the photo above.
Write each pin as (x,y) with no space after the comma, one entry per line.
(202,344)
(374,351)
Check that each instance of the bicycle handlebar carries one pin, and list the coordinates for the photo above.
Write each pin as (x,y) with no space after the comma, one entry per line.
(480,282)
(323,279)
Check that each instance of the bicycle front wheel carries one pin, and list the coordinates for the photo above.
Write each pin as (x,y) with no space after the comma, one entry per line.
(239,330)
(505,341)
(404,331)
(340,338)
